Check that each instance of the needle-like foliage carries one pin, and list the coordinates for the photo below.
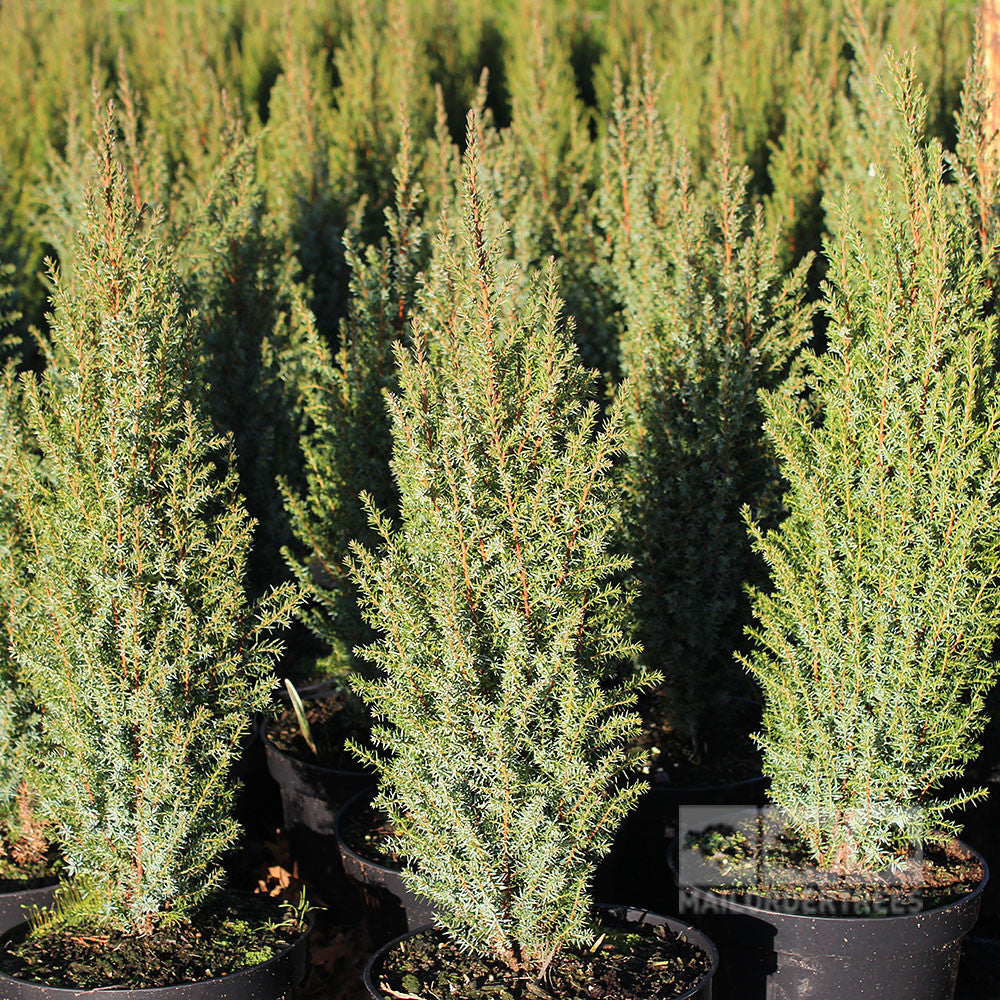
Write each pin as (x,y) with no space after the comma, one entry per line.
(873,646)
(710,318)
(501,736)
(237,283)
(133,628)
(347,443)
(545,179)
(21,836)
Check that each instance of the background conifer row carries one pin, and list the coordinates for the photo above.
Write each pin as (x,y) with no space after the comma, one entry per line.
(329,81)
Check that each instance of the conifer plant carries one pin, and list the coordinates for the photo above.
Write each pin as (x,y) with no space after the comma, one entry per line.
(346,441)
(873,645)
(502,718)
(710,318)
(133,627)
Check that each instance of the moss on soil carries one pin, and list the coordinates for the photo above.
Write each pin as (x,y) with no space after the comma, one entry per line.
(83,952)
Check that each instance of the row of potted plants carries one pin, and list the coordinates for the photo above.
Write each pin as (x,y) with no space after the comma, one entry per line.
(129,631)
(871,643)
(501,671)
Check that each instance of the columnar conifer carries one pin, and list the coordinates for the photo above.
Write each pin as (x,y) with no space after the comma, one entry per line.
(501,731)
(710,319)
(133,628)
(873,648)
(346,442)
(800,158)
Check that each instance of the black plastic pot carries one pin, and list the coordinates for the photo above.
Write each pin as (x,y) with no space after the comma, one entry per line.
(701,991)
(258,799)
(771,955)
(15,906)
(636,867)
(744,791)
(390,907)
(311,797)
(275,979)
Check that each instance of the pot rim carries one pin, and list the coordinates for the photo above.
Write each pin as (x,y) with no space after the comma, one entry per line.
(46,887)
(370,792)
(730,904)
(151,991)
(271,747)
(698,938)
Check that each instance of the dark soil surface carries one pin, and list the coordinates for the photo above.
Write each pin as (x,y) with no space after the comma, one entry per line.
(633,962)
(84,953)
(333,720)
(340,945)
(368,832)
(758,859)
(731,757)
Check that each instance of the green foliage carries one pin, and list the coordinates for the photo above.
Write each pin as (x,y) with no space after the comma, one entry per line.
(133,627)
(335,128)
(328,81)
(864,132)
(21,749)
(710,319)
(501,731)
(251,330)
(377,64)
(800,158)
(39,80)
(307,204)
(238,283)
(865,120)
(261,134)
(872,647)
(975,164)
(546,173)
(9,314)
(347,442)
(730,57)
